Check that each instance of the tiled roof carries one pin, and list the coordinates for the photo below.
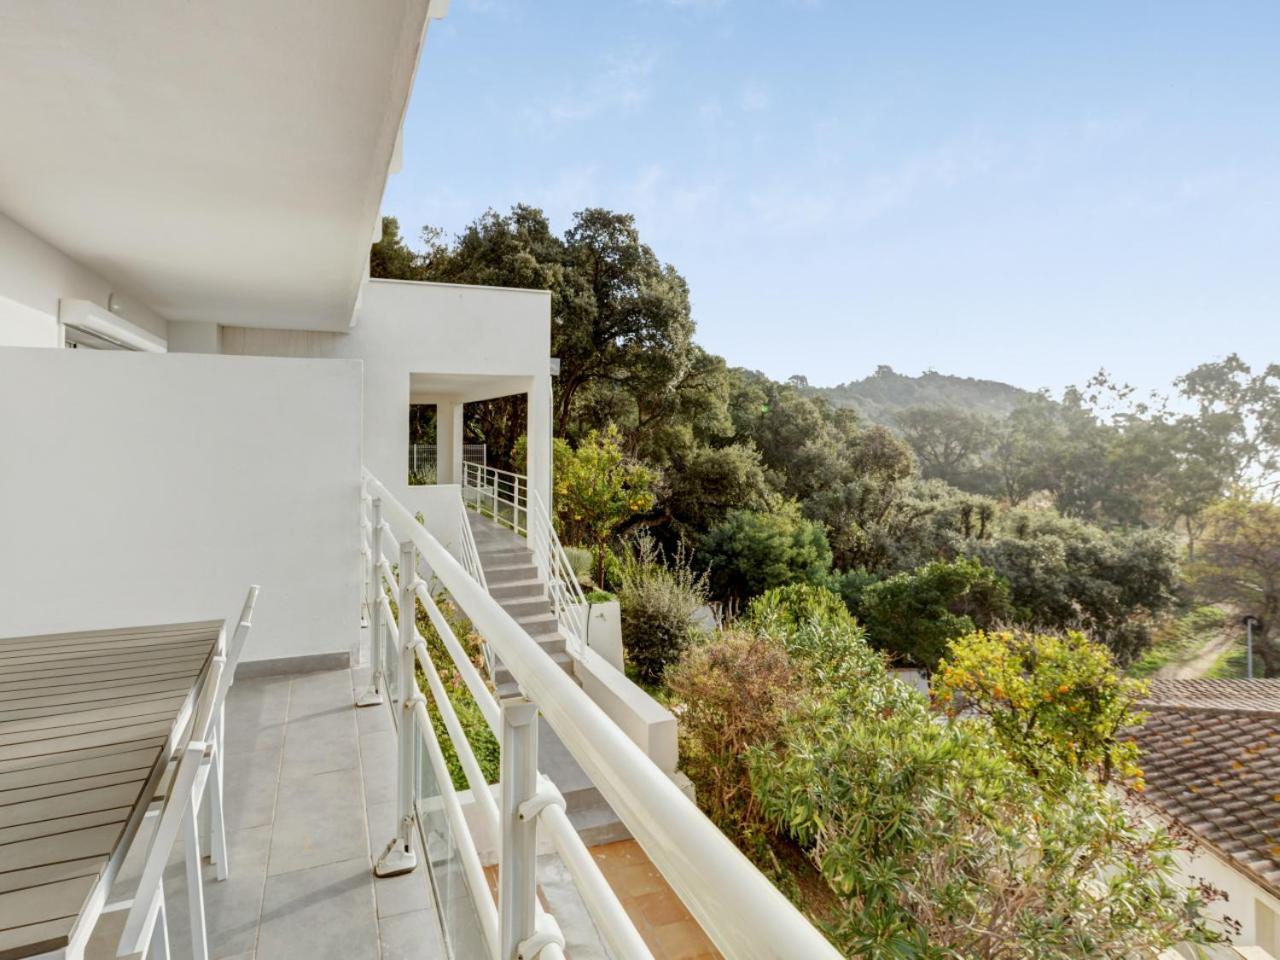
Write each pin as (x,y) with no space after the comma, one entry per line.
(1211,755)
(1224,694)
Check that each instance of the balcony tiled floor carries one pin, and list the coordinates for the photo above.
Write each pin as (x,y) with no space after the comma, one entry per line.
(310,795)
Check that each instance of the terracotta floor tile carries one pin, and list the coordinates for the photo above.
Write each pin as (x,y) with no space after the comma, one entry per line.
(636,880)
(683,940)
(659,908)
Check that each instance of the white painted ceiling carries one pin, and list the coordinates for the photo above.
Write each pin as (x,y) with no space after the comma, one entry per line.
(221,160)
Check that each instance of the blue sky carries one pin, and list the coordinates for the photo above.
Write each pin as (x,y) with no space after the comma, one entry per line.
(1024,191)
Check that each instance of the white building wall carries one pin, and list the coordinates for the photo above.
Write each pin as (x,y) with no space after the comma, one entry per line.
(1246,901)
(476,342)
(34,276)
(151,488)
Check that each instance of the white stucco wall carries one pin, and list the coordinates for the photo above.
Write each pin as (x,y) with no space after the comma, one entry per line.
(1244,897)
(151,488)
(34,276)
(475,342)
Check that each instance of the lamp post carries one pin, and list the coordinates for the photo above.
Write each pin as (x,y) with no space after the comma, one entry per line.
(1249,621)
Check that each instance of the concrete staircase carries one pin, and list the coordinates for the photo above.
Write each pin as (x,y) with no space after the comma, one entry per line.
(514,582)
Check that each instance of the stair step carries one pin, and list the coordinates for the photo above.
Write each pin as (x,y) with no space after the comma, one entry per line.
(596,824)
(508,573)
(562,659)
(538,624)
(520,607)
(516,589)
(505,554)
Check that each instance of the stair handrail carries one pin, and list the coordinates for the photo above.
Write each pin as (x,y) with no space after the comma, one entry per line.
(467,547)
(497,492)
(568,602)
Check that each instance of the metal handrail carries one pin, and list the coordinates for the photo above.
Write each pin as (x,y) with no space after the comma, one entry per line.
(741,911)
(402,658)
(470,552)
(601,901)
(567,599)
(492,490)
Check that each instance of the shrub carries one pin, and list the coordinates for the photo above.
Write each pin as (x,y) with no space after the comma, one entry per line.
(597,487)
(657,602)
(581,560)
(915,614)
(475,728)
(751,552)
(927,839)
(939,846)
(735,691)
(1053,701)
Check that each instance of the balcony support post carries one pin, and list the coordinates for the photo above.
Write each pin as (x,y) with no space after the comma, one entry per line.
(400,856)
(373,695)
(517,867)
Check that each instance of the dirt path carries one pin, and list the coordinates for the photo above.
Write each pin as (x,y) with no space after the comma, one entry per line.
(1203,661)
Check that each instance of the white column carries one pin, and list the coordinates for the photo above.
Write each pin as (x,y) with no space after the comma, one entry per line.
(518,858)
(539,432)
(449,442)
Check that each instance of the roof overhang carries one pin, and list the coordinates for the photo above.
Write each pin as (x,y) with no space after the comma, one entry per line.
(220,161)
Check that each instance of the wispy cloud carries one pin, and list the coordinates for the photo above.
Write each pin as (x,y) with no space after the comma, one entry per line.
(623,82)
(755,98)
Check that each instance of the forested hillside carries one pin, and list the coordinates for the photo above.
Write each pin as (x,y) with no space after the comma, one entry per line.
(1098,511)
(885,394)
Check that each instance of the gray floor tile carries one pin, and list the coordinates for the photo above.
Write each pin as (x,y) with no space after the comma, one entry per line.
(255,715)
(376,719)
(249,786)
(316,694)
(382,825)
(411,936)
(319,819)
(319,744)
(322,913)
(379,766)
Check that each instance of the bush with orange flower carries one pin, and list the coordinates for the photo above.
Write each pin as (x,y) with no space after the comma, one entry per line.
(1054,700)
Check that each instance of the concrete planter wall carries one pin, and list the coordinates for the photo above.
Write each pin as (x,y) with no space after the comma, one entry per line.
(604,631)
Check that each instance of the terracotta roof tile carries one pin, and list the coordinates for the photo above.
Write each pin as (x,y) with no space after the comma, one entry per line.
(1211,755)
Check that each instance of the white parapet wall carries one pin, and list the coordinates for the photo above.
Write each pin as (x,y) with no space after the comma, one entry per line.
(153,488)
(435,343)
(647,723)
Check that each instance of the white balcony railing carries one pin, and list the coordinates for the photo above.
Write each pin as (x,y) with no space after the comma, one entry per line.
(422,456)
(508,499)
(558,577)
(741,911)
(501,495)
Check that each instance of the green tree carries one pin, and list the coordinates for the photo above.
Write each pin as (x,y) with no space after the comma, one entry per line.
(750,552)
(1055,701)
(916,614)
(392,258)
(597,488)
(624,326)
(703,483)
(1064,573)
(1239,563)
(951,444)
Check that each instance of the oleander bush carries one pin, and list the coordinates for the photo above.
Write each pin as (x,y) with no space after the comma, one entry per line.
(914,832)
(658,597)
